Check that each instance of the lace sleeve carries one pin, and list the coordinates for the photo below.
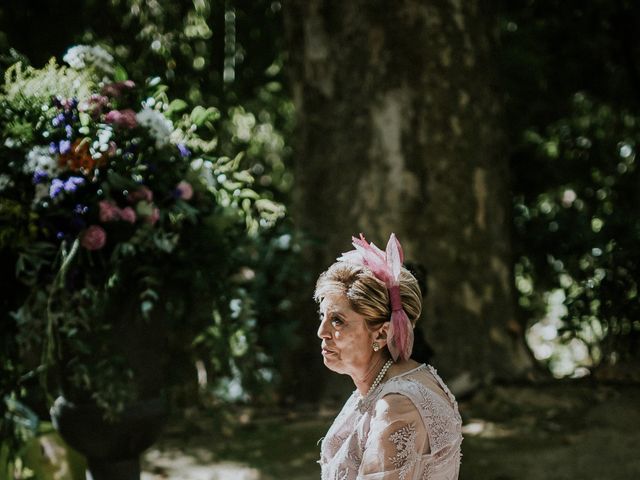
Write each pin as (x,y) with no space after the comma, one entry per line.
(397,438)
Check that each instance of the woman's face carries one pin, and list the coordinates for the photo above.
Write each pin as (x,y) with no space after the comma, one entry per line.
(346,341)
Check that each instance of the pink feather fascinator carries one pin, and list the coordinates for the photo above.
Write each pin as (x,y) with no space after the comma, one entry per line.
(386,266)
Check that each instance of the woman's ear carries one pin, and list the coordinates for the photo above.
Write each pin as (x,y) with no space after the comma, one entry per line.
(380,335)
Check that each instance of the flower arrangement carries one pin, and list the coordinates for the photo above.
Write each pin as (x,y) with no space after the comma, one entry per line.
(111,195)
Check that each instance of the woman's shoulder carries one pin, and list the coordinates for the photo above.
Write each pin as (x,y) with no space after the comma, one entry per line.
(394,404)
(423,380)
(420,386)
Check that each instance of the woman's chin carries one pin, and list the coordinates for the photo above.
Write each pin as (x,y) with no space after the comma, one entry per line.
(331,363)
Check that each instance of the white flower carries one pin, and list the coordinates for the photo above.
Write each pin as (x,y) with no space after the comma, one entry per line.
(41,191)
(85,56)
(101,145)
(159,126)
(40,159)
(5,181)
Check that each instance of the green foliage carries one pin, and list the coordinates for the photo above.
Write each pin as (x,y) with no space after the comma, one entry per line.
(570,72)
(581,231)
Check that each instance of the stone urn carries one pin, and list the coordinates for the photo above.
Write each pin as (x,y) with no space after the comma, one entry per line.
(112,448)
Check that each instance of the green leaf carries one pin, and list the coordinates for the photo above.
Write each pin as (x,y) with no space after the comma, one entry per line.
(121,183)
(120,74)
(243,176)
(248,193)
(177,106)
(200,115)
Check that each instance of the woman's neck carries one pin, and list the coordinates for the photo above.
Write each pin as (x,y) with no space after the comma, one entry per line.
(364,380)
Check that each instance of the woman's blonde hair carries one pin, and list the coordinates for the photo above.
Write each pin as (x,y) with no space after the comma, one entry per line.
(367,295)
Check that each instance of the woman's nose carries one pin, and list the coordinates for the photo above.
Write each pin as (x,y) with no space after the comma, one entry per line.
(323,331)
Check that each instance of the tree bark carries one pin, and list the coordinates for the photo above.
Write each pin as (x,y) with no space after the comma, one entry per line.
(399,129)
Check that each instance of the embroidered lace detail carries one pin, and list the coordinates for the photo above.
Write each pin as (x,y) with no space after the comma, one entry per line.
(405,443)
(428,470)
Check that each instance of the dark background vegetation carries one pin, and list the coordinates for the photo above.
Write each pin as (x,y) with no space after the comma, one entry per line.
(568,76)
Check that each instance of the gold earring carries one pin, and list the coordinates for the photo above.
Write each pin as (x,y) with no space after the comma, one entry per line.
(376,346)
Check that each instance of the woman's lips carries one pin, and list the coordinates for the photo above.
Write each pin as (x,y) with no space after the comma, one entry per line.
(326,351)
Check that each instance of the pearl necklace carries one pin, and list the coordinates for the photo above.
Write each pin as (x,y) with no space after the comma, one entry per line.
(383,372)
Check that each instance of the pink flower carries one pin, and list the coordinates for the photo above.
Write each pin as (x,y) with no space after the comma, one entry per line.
(116,89)
(153,218)
(128,215)
(143,193)
(185,190)
(122,118)
(94,105)
(109,212)
(93,238)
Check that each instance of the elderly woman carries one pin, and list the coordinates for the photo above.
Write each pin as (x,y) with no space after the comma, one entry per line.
(401,422)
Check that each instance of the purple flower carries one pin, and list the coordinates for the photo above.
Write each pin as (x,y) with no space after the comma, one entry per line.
(60,235)
(184,151)
(57,120)
(53,148)
(80,209)
(39,176)
(69,131)
(72,184)
(57,186)
(69,186)
(64,146)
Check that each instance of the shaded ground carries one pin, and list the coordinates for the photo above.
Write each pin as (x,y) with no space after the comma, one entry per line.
(559,431)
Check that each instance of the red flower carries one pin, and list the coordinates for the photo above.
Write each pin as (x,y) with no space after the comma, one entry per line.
(93,238)
(79,158)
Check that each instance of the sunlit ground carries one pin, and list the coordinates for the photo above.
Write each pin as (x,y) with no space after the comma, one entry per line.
(568,430)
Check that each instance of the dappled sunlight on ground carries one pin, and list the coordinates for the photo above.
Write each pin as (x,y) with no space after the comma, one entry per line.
(276,446)
(480,428)
(181,466)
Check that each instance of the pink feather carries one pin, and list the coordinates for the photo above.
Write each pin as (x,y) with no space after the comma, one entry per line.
(400,336)
(386,266)
(394,257)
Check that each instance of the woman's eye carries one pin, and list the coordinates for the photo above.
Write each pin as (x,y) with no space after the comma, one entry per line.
(336,322)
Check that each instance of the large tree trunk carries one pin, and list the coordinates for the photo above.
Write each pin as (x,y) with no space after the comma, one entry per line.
(399,129)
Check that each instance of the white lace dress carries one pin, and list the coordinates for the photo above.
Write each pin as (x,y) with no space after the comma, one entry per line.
(407,428)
